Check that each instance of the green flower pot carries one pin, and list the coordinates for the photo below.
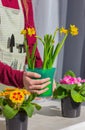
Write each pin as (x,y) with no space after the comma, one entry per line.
(45,74)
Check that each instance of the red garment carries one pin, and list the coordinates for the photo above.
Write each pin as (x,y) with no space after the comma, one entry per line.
(11,3)
(10,77)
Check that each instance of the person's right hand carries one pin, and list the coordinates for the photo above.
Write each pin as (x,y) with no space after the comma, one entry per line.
(35,85)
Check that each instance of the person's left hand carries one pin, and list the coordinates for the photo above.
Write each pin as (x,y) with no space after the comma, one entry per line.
(35,85)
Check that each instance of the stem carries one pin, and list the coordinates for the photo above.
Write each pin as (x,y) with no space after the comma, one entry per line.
(26,48)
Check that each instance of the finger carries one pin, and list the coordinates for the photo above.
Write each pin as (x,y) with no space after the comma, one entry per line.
(38,87)
(33,74)
(40,81)
(39,91)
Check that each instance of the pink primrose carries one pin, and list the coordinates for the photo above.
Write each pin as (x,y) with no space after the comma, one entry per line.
(71,80)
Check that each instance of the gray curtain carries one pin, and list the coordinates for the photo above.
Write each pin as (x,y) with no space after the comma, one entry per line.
(62,22)
(74,49)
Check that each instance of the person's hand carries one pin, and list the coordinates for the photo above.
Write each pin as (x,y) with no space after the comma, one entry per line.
(35,85)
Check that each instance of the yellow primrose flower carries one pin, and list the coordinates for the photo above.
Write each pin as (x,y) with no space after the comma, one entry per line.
(1,93)
(4,93)
(26,92)
(10,89)
(73,30)
(15,100)
(31,31)
(17,96)
(63,30)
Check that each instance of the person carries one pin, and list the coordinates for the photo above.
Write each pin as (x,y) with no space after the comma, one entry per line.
(14,16)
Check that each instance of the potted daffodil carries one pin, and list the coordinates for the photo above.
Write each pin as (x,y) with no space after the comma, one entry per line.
(50,51)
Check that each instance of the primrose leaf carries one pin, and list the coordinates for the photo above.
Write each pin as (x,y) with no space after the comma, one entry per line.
(9,112)
(59,93)
(76,96)
(29,109)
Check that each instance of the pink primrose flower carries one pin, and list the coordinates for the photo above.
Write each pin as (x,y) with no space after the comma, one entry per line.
(83,81)
(71,80)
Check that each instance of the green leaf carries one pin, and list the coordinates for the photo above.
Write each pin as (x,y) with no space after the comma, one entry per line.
(34,50)
(40,39)
(38,107)
(59,93)
(1,101)
(71,73)
(76,96)
(29,109)
(56,51)
(83,92)
(59,47)
(9,112)
(68,87)
(48,51)
(32,97)
(82,88)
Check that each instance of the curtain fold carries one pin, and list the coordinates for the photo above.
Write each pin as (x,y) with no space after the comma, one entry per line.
(62,22)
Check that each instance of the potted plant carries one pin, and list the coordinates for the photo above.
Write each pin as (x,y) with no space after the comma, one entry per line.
(17,105)
(50,51)
(71,91)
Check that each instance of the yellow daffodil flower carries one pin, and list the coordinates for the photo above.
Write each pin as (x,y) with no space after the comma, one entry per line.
(24,32)
(63,30)
(30,31)
(73,30)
